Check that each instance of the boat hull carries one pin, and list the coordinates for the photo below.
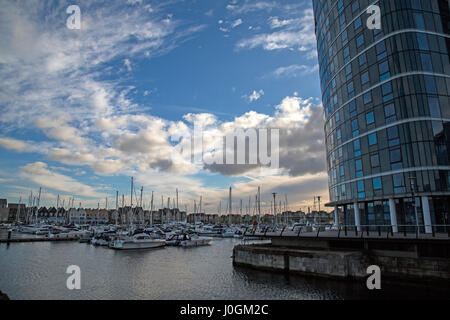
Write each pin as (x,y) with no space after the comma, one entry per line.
(125,245)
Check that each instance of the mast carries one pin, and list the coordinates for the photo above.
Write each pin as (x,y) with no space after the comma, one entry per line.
(177,200)
(142,191)
(200,207)
(132,191)
(151,211)
(275,207)
(18,210)
(230,203)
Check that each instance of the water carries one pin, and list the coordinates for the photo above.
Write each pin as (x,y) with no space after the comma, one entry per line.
(37,271)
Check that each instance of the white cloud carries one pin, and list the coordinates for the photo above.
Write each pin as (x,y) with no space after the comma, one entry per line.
(254,96)
(236,23)
(293,34)
(294,71)
(13,144)
(39,173)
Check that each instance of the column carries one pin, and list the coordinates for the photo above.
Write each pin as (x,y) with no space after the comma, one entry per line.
(393,212)
(336,217)
(357,218)
(426,215)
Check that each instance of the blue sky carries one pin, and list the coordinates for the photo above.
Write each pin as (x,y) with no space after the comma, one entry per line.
(83,110)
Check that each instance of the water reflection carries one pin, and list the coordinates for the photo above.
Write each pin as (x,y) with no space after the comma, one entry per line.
(37,271)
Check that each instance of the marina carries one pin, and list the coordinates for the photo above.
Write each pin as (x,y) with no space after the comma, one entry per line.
(38,271)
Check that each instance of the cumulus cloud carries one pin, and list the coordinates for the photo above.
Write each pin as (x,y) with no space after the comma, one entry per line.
(13,144)
(40,174)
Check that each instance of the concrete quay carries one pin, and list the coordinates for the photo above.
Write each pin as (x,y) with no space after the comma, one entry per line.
(411,258)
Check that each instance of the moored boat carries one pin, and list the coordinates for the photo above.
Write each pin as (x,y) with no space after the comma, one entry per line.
(137,241)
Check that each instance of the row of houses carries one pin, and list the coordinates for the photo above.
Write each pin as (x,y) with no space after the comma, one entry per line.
(10,213)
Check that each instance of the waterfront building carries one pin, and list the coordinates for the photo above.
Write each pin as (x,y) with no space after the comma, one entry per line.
(4,215)
(77,216)
(3,203)
(385,95)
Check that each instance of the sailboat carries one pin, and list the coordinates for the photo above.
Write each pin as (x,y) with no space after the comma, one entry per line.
(136,241)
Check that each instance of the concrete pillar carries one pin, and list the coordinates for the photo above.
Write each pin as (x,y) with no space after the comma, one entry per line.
(426,215)
(393,212)
(336,217)
(357,218)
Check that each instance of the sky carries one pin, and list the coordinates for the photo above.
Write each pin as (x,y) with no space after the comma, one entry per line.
(84,110)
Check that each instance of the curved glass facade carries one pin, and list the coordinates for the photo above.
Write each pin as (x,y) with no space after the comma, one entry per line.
(386,103)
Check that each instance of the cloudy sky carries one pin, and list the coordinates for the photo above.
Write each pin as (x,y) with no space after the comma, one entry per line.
(84,110)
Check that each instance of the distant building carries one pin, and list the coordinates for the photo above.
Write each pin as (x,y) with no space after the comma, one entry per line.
(14,212)
(77,215)
(3,203)
(4,215)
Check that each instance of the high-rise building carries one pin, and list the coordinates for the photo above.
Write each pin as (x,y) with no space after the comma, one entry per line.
(386,103)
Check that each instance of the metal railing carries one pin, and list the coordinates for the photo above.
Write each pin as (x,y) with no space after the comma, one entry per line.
(362,231)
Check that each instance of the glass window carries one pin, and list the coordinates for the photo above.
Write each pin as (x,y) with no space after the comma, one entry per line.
(383,68)
(396,158)
(357,148)
(435,110)
(361,193)
(372,139)
(355,5)
(389,112)
(427,65)
(422,40)
(386,89)
(362,59)
(357,23)
(352,109)
(430,84)
(377,184)
(375,161)
(370,118)
(368,98)
(420,23)
(381,51)
(360,41)
(399,183)
(393,136)
(344,38)
(365,77)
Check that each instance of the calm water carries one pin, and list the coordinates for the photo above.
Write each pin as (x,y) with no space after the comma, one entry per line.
(37,271)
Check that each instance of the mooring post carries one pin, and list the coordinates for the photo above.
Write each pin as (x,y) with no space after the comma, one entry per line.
(9,235)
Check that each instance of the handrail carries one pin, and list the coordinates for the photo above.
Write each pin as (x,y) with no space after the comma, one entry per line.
(364,230)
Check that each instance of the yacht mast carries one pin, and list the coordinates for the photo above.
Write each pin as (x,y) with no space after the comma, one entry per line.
(230,207)
(151,211)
